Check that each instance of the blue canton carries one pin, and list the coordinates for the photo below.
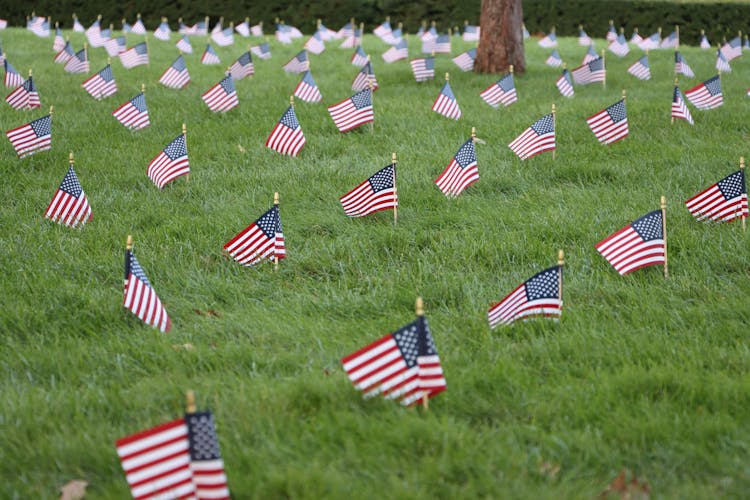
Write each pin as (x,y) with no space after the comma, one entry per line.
(362,99)
(202,437)
(544,125)
(70,184)
(289,119)
(544,285)
(177,148)
(649,227)
(617,111)
(466,154)
(732,185)
(383,179)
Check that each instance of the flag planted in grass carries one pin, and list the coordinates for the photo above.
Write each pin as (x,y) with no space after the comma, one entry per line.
(33,137)
(79,63)
(590,55)
(373,195)
(222,96)
(565,84)
(209,56)
(554,60)
(365,78)
(501,92)
(176,76)
(706,95)
(134,113)
(171,163)
(640,69)
(140,298)
(461,172)
(681,66)
(611,124)
(619,47)
(465,60)
(704,43)
(162,31)
(59,42)
(732,49)
(116,46)
(353,111)
(69,206)
(13,78)
(137,55)
(538,138)
(639,244)
(471,33)
(263,51)
(445,103)
(590,72)
(65,54)
(287,137)
(583,39)
(263,239)
(721,202)
(298,63)
(138,27)
(225,37)
(24,96)
(183,44)
(679,108)
(315,44)
(359,58)
(307,90)
(242,67)
(549,41)
(396,53)
(722,63)
(423,68)
(101,84)
(540,295)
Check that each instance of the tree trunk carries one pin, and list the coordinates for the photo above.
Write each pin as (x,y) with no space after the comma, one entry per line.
(501,37)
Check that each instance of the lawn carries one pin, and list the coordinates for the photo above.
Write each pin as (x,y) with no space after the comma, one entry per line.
(641,373)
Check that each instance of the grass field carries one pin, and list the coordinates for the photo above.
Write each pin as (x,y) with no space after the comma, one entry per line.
(641,373)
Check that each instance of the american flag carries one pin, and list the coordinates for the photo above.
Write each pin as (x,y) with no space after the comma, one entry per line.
(590,55)
(94,35)
(732,49)
(395,37)
(176,76)
(583,39)
(652,42)
(65,54)
(397,52)
(171,163)
(218,26)
(263,51)
(353,111)
(461,172)
(307,90)
(209,56)
(325,34)
(503,91)
(162,31)
(3,24)
(257,30)
(465,60)
(403,365)
(352,41)
(77,26)
(373,195)
(365,79)
(12,78)
(179,459)
(133,114)
(106,35)
(640,69)
(722,65)
(287,137)
(137,55)
(79,63)
(611,124)
(181,28)
(636,38)
(524,31)
(679,108)
(540,295)
(619,46)
(723,201)
(538,138)
(31,138)
(126,27)
(183,44)
(222,96)
(101,84)
(40,28)
(671,42)
(548,41)
(382,29)
(2,56)
(681,66)
(24,96)
(639,244)
(704,43)
(445,104)
(140,298)
(706,95)
(263,239)
(293,32)
(116,46)
(443,44)
(471,33)
(428,45)
(315,44)
(225,37)
(201,27)
(243,28)
(611,32)
(554,59)
(69,206)
(282,34)
(359,58)
(298,63)
(59,42)
(565,84)
(242,67)
(590,72)
(423,68)
(138,28)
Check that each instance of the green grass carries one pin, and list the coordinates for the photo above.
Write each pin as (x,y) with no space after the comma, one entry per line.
(641,373)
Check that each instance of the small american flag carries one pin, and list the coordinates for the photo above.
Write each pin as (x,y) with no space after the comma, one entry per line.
(137,55)
(620,46)
(611,33)
(403,365)
(263,51)
(583,39)
(325,34)
(176,76)
(704,43)
(315,44)
(671,42)
(69,206)
(461,172)
(722,64)
(382,29)
(636,38)
(639,244)
(353,111)
(565,84)
(201,27)
(640,69)
(394,38)
(162,31)
(59,42)
(263,239)
(307,90)
(134,113)
(126,27)
(352,41)
(138,28)
(365,78)
(548,41)
(443,44)
(225,37)
(732,49)
(723,201)
(170,164)
(681,66)
(79,63)
(346,30)
(31,138)
(465,60)
(40,28)
(471,33)
(217,27)
(423,68)
(183,44)
(140,298)
(287,137)
(242,67)
(590,55)
(503,91)
(257,30)
(538,138)
(591,72)
(428,45)
(445,104)
(94,35)
(77,26)
(24,96)
(222,96)
(524,31)
(12,78)
(679,108)
(554,59)
(373,195)
(116,46)
(65,54)
(706,95)
(611,124)
(209,56)
(359,58)
(101,84)
(243,28)
(282,34)
(298,63)
(652,42)
(540,295)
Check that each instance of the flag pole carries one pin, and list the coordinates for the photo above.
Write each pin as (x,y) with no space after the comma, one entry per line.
(554,124)
(395,191)
(742,169)
(184,134)
(128,248)
(372,101)
(190,402)
(86,54)
(419,309)
(664,232)
(275,255)
(560,264)
(677,33)
(604,66)
(675,84)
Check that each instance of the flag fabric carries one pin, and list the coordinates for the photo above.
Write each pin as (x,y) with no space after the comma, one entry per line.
(353,111)
(554,59)
(79,63)
(640,69)
(209,56)
(222,96)
(471,33)
(40,28)
(162,31)
(137,55)
(619,46)
(298,63)
(325,34)
(461,172)
(134,113)
(307,90)
(525,31)
(59,42)
(101,84)
(670,42)
(2,56)
(706,95)
(263,51)
(679,108)
(704,43)
(611,124)
(722,64)
(12,78)
(256,30)
(77,26)
(590,72)
(732,49)
(443,44)
(397,52)
(382,29)
(540,295)
(352,41)
(359,58)
(126,27)
(465,60)
(176,76)
(282,35)
(69,205)
(94,35)
(403,365)
(538,138)
(590,55)
(639,244)
(723,201)
(565,84)
(394,38)
(200,28)
(315,44)
(681,66)
(583,39)
(263,239)
(225,37)
(138,28)
(373,195)
(611,33)
(548,41)
(365,79)
(24,96)
(170,164)
(445,104)
(652,42)
(183,44)
(636,38)
(65,55)
(423,68)
(242,67)
(243,28)
(140,298)
(33,137)
(503,91)
(287,137)
(115,46)
(217,27)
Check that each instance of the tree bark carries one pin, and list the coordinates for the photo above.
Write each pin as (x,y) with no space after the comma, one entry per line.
(501,37)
